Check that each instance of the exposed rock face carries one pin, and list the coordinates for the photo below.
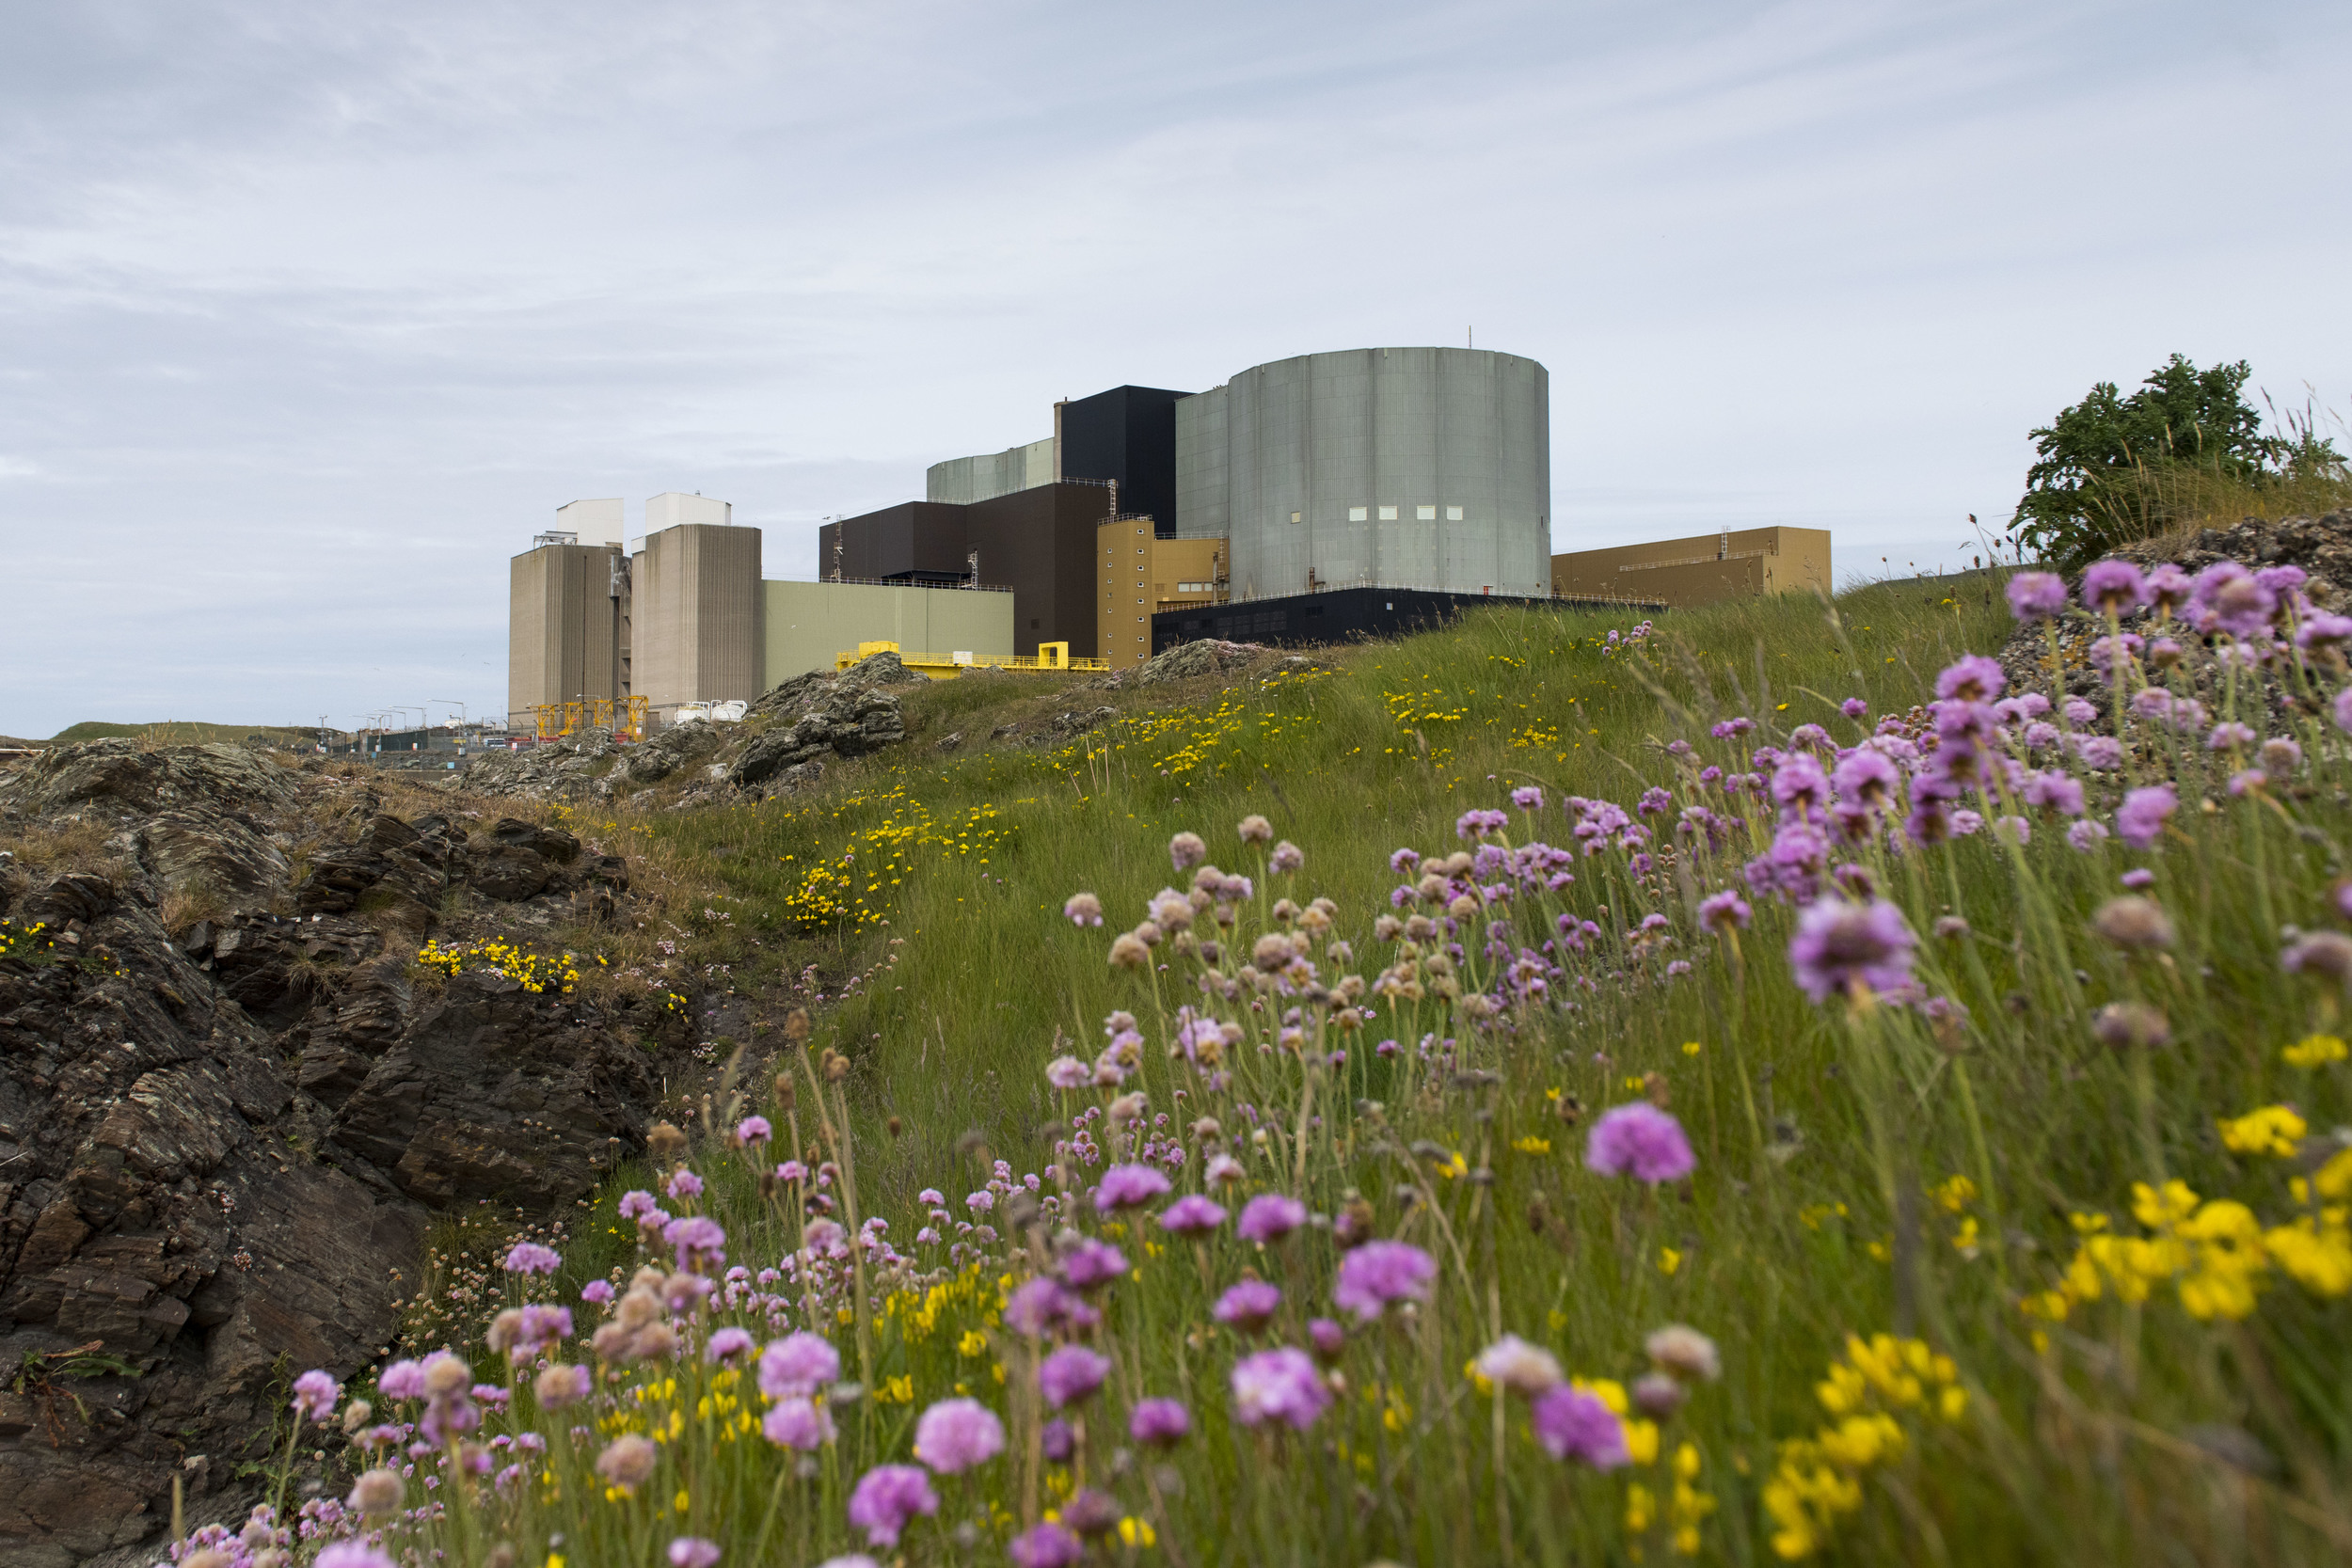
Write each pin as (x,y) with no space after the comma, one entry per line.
(490,1095)
(220,1146)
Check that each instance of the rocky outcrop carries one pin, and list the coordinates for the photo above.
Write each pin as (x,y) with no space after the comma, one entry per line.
(559,770)
(116,781)
(490,1094)
(675,748)
(816,716)
(2321,546)
(221,1144)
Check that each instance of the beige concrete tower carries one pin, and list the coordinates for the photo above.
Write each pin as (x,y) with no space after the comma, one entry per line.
(698,620)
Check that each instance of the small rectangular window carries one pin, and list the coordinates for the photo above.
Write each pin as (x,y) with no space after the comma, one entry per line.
(1425,514)
(1452,513)
(1359,513)
(1294,516)
(1388,514)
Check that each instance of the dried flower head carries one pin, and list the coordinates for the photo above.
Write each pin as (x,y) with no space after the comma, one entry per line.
(2132,922)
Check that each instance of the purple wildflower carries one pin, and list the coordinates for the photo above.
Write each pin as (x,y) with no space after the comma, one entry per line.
(1327,1338)
(2343,710)
(315,1395)
(1478,823)
(887,1496)
(695,1237)
(798,1366)
(1068,1072)
(1573,1423)
(1092,1263)
(693,1551)
(402,1379)
(1378,1273)
(1724,911)
(1249,1305)
(1045,1545)
(351,1553)
(1124,1186)
(1638,1139)
(1187,850)
(2036,596)
(2055,792)
(1057,1441)
(955,1435)
(1866,774)
(1287,857)
(1839,943)
(2234,598)
(1037,1304)
(1158,1423)
(596,1291)
(1854,708)
(753,1130)
(801,1424)
(1270,1216)
(1279,1386)
(727,1343)
(1071,1374)
(531,1258)
(1971,678)
(2087,834)
(2112,587)
(2140,819)
(1191,1215)
(1083,908)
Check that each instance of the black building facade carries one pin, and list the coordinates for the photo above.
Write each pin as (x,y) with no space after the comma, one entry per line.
(1127,436)
(1339,615)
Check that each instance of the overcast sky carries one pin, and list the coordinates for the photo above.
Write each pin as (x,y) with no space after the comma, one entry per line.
(312,312)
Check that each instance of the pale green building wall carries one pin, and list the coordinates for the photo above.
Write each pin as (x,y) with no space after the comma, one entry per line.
(809,623)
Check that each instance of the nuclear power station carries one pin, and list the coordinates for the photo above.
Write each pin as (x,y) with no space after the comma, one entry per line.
(1307,499)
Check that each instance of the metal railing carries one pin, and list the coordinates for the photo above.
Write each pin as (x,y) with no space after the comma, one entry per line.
(944,587)
(1050,657)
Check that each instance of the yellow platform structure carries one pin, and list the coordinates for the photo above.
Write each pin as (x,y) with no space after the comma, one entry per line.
(624,715)
(946,667)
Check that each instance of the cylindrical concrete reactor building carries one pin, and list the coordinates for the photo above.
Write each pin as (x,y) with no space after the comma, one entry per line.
(1405,468)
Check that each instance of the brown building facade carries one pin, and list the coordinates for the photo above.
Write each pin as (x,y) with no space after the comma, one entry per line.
(1141,575)
(1703,569)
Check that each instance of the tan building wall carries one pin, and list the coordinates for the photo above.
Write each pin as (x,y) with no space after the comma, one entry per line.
(1701,570)
(1139,573)
(564,627)
(697,611)
(808,623)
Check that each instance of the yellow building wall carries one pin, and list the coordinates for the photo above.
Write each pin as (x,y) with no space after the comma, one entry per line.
(809,623)
(1139,573)
(1701,570)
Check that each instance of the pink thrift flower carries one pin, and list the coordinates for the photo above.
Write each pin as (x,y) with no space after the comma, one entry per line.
(1071,1374)
(1378,1273)
(1573,1423)
(1271,1216)
(1279,1386)
(1642,1141)
(955,1435)
(887,1496)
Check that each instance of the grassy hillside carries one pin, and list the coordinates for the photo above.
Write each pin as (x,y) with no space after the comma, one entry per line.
(2015,1231)
(175,732)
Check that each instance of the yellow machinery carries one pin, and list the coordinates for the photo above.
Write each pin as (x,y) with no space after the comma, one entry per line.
(946,667)
(622,715)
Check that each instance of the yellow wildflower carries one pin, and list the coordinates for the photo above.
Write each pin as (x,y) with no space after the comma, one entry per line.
(2313,1051)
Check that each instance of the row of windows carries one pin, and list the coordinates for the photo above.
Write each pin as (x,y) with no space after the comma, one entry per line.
(1389,514)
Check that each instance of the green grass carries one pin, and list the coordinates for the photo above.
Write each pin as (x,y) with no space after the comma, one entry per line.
(1863,1168)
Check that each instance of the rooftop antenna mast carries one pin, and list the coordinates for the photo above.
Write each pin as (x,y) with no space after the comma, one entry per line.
(974,560)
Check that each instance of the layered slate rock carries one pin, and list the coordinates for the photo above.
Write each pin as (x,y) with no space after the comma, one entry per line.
(221,1143)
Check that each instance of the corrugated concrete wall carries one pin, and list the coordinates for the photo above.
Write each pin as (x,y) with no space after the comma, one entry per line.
(1702,568)
(697,616)
(808,623)
(1422,467)
(562,627)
